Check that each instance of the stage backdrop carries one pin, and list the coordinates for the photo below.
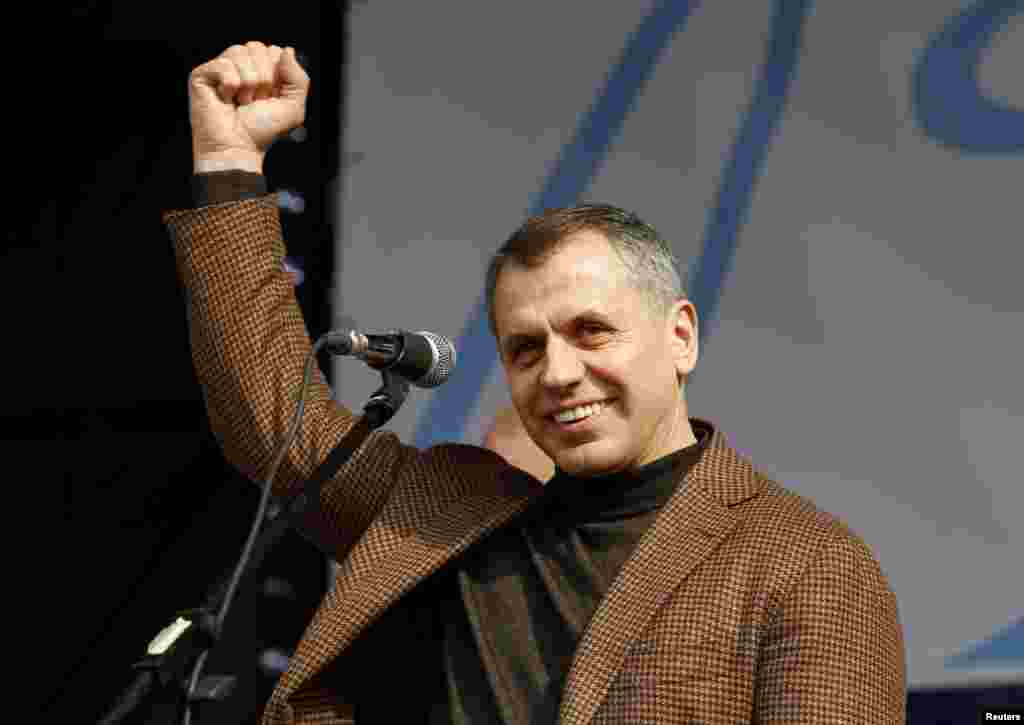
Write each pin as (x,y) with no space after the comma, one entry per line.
(844,183)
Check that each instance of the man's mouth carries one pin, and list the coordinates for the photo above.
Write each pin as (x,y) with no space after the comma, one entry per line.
(580,414)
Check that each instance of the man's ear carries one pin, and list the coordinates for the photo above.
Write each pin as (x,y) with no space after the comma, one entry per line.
(685,336)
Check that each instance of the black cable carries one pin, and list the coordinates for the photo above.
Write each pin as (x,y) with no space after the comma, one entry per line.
(243,560)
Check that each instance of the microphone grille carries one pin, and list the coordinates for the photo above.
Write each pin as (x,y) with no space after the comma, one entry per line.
(444,360)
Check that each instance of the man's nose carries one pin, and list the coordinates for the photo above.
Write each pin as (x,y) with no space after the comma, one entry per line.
(562,365)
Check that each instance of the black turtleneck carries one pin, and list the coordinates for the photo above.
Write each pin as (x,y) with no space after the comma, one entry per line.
(618,495)
(489,639)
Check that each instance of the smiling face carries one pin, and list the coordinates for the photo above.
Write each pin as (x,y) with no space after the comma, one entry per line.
(574,331)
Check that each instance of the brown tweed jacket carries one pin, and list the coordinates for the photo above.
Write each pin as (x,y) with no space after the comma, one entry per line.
(743,603)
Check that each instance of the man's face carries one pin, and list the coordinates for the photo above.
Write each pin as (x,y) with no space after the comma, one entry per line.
(574,331)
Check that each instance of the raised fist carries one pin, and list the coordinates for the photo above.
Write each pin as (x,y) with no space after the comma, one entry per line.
(241,101)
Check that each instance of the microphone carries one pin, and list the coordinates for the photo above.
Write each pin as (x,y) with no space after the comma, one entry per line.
(423,358)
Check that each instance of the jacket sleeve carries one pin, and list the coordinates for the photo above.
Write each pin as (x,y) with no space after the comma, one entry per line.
(249,348)
(833,651)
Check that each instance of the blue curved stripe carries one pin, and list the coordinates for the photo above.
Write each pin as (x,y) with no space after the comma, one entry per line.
(1004,648)
(447,412)
(947,102)
(746,161)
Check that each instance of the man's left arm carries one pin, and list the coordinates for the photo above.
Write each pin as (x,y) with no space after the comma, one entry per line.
(833,651)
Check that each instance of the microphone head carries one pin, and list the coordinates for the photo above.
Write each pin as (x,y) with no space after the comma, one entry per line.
(444,360)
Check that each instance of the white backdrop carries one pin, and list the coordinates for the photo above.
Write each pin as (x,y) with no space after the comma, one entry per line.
(847,192)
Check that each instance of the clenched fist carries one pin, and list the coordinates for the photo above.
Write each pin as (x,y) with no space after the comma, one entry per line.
(241,101)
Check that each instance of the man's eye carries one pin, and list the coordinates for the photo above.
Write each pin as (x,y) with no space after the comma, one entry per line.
(521,348)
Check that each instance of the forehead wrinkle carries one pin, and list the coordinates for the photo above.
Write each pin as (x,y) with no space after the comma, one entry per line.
(591,278)
(588,300)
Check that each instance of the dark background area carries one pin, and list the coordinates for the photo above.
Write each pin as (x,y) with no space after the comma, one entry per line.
(148,512)
(104,420)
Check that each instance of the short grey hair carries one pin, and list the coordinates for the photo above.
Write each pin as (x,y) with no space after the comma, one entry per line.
(646,257)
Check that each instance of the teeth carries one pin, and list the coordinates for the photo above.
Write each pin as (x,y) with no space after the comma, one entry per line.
(583,411)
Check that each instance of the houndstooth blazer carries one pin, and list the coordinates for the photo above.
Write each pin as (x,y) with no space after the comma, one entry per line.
(743,603)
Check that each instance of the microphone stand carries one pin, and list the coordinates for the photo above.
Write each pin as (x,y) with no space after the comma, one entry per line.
(187,641)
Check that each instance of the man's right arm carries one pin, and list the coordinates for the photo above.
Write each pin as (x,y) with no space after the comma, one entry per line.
(249,341)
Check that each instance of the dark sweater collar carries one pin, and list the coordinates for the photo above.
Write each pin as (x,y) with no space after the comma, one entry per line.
(619,495)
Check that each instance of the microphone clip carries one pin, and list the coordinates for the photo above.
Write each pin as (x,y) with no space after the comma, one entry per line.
(386,401)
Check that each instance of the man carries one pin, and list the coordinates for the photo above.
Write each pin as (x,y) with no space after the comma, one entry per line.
(657,577)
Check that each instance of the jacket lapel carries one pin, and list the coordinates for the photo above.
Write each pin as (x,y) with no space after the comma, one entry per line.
(402,546)
(693,523)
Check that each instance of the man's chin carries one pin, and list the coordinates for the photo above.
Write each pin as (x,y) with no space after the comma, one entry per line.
(577,462)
